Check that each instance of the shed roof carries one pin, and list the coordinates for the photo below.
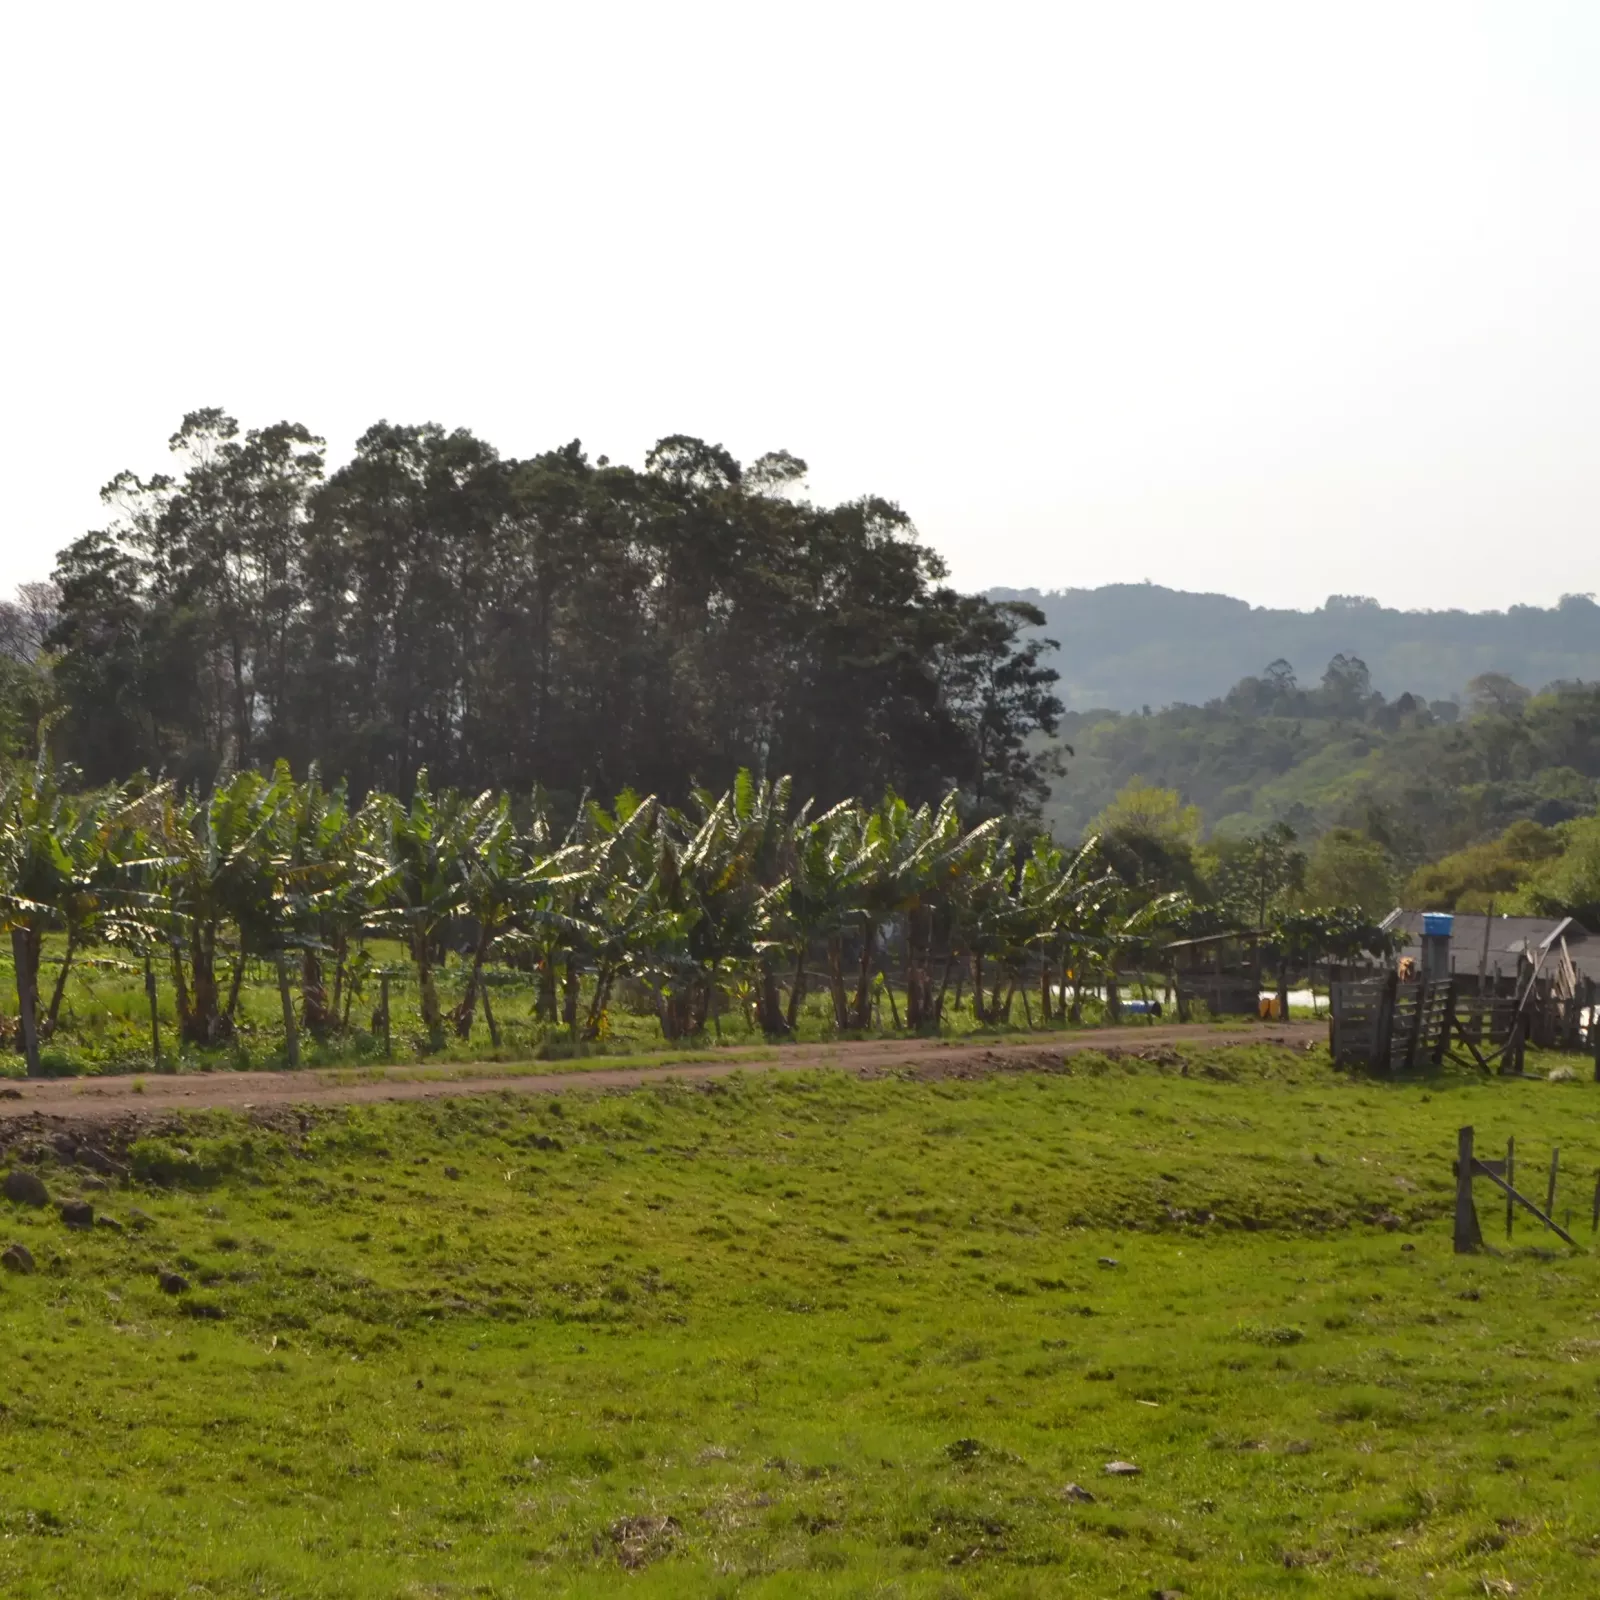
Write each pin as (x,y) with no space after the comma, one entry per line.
(1509,937)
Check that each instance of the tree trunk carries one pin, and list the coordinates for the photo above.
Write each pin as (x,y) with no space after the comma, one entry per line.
(797,991)
(233,991)
(569,998)
(951,963)
(488,1016)
(314,996)
(603,978)
(769,1004)
(340,1010)
(544,1008)
(291,1033)
(465,1012)
(863,1007)
(841,1001)
(49,1028)
(978,1014)
(919,984)
(432,1018)
(205,1020)
(181,988)
(155,1011)
(25,953)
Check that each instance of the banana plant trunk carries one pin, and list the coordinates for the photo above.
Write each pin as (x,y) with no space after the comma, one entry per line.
(314,996)
(863,1006)
(48,1028)
(770,1003)
(797,990)
(25,953)
(841,1001)
(432,1017)
(291,1032)
(469,1001)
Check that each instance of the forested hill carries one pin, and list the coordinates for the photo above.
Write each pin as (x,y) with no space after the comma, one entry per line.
(1132,645)
(1422,779)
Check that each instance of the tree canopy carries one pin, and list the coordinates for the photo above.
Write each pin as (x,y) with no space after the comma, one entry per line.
(559,620)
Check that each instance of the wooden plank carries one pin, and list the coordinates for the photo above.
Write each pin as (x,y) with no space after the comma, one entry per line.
(1513,1198)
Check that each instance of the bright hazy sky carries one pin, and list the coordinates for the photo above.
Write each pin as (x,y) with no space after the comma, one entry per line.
(1281,299)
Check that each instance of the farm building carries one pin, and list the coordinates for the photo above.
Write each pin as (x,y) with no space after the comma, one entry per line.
(1564,950)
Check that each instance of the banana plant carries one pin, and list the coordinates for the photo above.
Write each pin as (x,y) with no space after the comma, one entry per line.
(215,874)
(420,885)
(61,870)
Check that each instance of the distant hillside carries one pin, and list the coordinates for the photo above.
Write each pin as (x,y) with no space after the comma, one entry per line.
(1131,645)
(1421,779)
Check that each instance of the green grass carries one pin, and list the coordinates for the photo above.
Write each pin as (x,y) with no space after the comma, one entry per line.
(105,1022)
(811,1335)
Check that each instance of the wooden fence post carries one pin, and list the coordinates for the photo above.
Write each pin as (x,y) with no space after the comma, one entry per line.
(1511,1183)
(1469,1236)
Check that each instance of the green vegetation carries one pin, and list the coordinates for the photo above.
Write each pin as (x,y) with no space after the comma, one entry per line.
(1397,783)
(810,1335)
(560,620)
(743,904)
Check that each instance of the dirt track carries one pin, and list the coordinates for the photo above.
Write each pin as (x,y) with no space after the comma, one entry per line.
(95,1099)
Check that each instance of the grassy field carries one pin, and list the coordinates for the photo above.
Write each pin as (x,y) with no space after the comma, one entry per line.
(814,1335)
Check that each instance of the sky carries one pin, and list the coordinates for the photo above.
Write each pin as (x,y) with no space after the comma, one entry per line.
(1276,300)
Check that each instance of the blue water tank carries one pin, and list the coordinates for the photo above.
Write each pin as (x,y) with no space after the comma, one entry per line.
(1437,924)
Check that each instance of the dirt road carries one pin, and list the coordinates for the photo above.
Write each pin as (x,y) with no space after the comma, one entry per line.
(92,1099)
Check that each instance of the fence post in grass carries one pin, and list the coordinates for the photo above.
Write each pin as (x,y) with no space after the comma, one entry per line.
(383,1011)
(1469,1237)
(1550,1193)
(1594,1226)
(1511,1183)
(155,1014)
(291,1033)
(1594,1026)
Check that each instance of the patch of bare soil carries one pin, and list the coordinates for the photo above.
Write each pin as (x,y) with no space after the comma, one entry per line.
(48,1104)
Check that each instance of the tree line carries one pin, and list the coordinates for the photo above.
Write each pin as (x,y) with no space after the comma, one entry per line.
(740,892)
(560,620)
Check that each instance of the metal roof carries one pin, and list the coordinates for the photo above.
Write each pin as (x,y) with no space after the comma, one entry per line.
(1509,937)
